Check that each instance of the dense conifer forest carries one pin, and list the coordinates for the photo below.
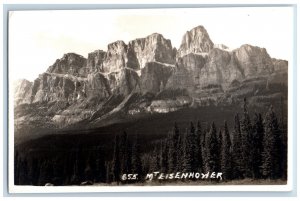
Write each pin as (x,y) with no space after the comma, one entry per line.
(255,148)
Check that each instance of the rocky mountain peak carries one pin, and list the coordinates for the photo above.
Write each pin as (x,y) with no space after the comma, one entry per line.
(21,82)
(70,63)
(252,49)
(95,60)
(157,38)
(116,46)
(116,56)
(149,75)
(21,88)
(255,60)
(196,40)
(151,48)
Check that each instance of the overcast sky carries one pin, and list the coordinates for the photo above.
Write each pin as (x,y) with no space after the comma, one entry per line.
(38,38)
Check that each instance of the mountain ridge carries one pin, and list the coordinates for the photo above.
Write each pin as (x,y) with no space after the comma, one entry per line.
(149,75)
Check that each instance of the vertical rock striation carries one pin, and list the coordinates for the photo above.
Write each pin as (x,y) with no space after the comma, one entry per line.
(150,75)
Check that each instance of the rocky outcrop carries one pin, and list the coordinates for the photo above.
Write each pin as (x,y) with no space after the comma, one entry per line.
(221,68)
(115,58)
(22,89)
(70,63)
(97,86)
(95,61)
(135,55)
(128,82)
(280,65)
(217,68)
(186,73)
(152,48)
(254,60)
(154,77)
(57,87)
(148,75)
(195,41)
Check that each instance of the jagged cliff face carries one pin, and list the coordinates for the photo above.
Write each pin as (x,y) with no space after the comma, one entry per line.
(254,60)
(71,63)
(115,58)
(95,61)
(154,77)
(152,48)
(195,41)
(148,75)
(22,89)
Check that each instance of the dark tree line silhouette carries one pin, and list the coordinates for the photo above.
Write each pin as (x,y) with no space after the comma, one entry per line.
(255,149)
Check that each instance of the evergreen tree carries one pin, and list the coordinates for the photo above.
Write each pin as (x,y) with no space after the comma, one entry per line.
(193,148)
(136,158)
(271,167)
(257,146)
(46,172)
(108,168)
(164,156)
(219,148)
(155,161)
(68,164)
(226,158)
(99,166)
(146,162)
(180,153)
(204,150)
(199,138)
(283,128)
(219,138)
(284,147)
(246,140)
(75,176)
(186,160)
(129,156)
(173,144)
(116,161)
(211,144)
(237,156)
(33,172)
(81,163)
(124,153)
(23,174)
(57,167)
(16,168)
(190,149)
(88,172)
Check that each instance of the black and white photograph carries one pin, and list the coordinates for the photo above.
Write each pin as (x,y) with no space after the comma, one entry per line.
(186,98)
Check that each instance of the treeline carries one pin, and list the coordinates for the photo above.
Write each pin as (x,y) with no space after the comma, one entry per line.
(60,168)
(255,148)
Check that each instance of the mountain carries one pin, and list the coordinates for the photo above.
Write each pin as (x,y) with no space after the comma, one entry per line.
(195,41)
(147,75)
